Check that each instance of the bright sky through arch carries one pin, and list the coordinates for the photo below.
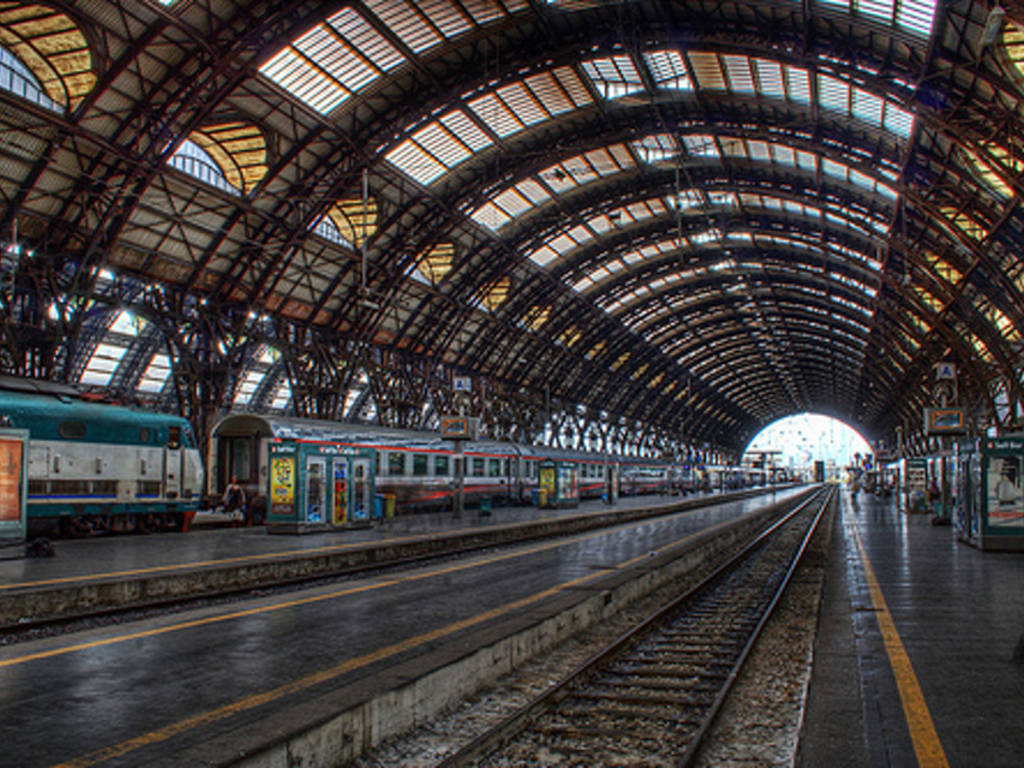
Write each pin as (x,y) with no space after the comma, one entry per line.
(809,437)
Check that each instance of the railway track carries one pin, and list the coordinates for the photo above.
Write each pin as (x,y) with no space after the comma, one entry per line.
(650,698)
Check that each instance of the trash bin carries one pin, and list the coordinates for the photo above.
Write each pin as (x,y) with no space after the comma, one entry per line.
(377,504)
(542,498)
(389,505)
(534,497)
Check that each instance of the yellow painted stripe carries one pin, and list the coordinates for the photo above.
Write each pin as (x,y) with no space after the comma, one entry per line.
(91,577)
(926,742)
(324,675)
(439,571)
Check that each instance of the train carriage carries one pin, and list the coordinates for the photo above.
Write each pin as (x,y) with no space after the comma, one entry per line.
(97,467)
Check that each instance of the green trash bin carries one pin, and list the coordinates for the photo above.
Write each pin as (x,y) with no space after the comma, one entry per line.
(389,506)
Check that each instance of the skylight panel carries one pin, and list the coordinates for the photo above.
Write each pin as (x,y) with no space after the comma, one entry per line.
(562,244)
(544,256)
(700,146)
(758,149)
(916,16)
(333,60)
(248,387)
(668,70)
(707,70)
(440,143)
(533,192)
(305,81)
(656,148)
(799,84)
(409,26)
(559,178)
(880,9)
(522,103)
(127,324)
(156,374)
(489,215)
(412,160)
(367,40)
(769,75)
(102,364)
(513,202)
(898,121)
(614,77)
(867,107)
(466,130)
(328,230)
(496,115)
(808,161)
(741,79)
(833,93)
(548,91)
(282,396)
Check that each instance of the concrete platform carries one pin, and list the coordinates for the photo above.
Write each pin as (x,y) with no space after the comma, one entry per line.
(308,678)
(915,660)
(118,571)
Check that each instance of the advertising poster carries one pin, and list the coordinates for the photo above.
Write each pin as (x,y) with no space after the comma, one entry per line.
(282,485)
(339,504)
(10,480)
(1005,500)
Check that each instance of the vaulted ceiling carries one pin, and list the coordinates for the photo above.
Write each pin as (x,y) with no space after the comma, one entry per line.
(703,216)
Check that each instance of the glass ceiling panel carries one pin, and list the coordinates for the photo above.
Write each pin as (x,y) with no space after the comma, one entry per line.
(156,374)
(102,364)
(248,387)
(614,76)
(282,396)
(668,70)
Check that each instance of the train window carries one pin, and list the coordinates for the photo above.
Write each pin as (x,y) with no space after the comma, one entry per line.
(441,465)
(494,468)
(174,437)
(145,435)
(378,462)
(396,463)
(71,430)
(419,464)
(478,467)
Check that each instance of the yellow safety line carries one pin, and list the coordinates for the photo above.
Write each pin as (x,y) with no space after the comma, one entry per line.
(324,675)
(926,742)
(312,599)
(91,577)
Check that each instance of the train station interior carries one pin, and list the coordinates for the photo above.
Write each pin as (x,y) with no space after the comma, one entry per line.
(368,362)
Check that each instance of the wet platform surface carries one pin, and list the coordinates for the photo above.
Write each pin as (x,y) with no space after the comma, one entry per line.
(187,688)
(958,615)
(84,559)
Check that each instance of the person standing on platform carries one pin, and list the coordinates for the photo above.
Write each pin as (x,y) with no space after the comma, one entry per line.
(234,499)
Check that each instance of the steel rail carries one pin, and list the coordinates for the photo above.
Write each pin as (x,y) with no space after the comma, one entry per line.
(518,722)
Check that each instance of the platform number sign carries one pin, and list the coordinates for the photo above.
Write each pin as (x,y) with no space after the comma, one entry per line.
(462,383)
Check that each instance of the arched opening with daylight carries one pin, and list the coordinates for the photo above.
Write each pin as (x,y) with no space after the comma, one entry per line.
(795,443)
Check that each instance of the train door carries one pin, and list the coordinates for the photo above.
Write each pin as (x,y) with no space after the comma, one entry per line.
(316,490)
(173,461)
(339,488)
(361,488)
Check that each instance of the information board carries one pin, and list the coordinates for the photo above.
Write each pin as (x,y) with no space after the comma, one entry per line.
(13,483)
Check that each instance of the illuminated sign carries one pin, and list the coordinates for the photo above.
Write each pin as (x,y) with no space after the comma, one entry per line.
(945,421)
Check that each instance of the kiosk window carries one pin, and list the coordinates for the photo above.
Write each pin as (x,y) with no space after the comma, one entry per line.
(494,467)
(478,467)
(396,463)
(419,464)
(441,465)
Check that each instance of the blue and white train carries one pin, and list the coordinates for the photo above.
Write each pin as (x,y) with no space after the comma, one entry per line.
(96,467)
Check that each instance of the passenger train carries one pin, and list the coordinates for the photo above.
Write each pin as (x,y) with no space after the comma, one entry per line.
(418,467)
(97,467)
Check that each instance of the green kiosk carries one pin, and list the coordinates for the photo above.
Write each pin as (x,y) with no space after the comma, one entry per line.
(317,486)
(988,510)
(559,484)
